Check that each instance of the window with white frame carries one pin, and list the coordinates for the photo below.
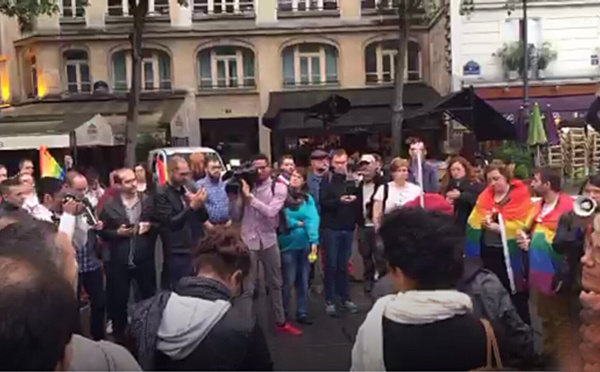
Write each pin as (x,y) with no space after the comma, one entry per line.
(306,5)
(212,7)
(380,62)
(226,67)
(310,64)
(513,31)
(156,70)
(119,8)
(73,8)
(77,71)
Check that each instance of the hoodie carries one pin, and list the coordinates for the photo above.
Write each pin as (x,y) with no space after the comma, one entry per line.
(185,323)
(91,355)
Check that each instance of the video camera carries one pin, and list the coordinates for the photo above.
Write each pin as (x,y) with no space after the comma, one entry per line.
(233,178)
(87,210)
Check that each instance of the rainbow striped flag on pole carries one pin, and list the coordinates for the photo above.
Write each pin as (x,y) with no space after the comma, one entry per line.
(49,166)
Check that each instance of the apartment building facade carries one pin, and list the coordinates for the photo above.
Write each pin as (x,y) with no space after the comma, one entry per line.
(213,69)
(564,44)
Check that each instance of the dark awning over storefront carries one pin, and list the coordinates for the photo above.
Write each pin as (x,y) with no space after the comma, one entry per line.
(369,108)
(593,115)
(50,120)
(476,114)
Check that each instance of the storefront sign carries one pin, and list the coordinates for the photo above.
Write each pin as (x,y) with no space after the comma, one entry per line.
(594,60)
(471,68)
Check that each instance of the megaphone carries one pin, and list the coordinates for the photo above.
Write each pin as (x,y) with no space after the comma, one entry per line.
(584,206)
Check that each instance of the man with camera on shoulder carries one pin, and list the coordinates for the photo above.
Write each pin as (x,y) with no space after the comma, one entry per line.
(263,202)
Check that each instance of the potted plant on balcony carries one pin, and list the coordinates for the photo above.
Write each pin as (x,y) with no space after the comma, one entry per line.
(509,54)
(545,55)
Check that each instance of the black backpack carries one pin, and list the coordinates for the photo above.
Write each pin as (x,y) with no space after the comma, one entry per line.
(282,227)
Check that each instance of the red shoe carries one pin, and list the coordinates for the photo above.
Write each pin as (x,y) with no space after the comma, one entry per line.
(288,328)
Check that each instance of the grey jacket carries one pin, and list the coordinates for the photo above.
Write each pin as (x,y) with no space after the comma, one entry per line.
(91,355)
(490,301)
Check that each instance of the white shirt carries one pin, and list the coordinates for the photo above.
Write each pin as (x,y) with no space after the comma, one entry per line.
(367,190)
(398,196)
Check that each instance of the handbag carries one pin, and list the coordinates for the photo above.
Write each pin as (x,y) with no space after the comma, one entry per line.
(492,349)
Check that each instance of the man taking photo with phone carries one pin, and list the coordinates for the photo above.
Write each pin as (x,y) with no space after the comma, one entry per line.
(127,231)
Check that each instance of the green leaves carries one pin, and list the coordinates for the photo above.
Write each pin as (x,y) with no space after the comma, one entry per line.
(25,10)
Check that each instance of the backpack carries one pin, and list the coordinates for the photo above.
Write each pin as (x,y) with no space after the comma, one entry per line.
(386,191)
(282,227)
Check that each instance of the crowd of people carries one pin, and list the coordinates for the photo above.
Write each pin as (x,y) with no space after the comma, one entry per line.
(450,264)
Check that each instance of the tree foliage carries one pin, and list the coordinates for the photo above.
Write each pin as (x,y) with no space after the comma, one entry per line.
(25,10)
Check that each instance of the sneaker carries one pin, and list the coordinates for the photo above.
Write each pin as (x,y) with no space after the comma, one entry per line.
(350,307)
(304,320)
(288,328)
(331,310)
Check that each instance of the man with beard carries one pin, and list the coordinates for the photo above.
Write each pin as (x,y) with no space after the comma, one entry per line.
(180,214)
(127,224)
(544,262)
(217,201)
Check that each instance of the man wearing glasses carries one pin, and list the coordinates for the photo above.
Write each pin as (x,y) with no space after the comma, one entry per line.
(217,201)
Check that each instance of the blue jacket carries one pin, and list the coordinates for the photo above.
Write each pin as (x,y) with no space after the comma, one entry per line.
(431,182)
(301,237)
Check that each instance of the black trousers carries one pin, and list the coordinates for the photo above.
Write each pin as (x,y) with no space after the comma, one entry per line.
(493,260)
(119,277)
(371,252)
(93,283)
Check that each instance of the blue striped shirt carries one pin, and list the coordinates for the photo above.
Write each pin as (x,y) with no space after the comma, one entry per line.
(217,202)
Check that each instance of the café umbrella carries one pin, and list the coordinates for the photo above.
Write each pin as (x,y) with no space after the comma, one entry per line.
(536,136)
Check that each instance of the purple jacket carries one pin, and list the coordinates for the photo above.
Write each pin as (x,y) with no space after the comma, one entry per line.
(261,215)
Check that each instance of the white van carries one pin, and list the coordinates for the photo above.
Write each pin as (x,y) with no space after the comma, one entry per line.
(166,153)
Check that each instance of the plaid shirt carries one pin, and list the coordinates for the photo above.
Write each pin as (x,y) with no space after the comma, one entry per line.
(79,230)
(217,201)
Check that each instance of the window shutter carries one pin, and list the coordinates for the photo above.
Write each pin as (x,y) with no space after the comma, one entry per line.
(288,67)
(164,70)
(371,63)
(331,64)
(248,72)
(120,71)
(205,70)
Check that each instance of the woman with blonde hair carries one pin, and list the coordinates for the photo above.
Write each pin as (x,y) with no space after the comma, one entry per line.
(460,188)
(396,193)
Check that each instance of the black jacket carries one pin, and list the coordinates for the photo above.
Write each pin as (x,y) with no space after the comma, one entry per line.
(336,215)
(454,344)
(236,342)
(469,191)
(180,226)
(119,247)
(378,180)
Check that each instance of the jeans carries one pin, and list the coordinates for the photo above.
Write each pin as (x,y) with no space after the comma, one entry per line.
(180,265)
(295,268)
(93,283)
(118,283)
(371,252)
(338,249)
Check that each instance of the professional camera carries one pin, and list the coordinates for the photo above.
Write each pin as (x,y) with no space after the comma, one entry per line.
(233,178)
(87,208)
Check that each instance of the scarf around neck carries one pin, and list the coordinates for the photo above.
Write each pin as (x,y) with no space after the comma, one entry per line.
(412,307)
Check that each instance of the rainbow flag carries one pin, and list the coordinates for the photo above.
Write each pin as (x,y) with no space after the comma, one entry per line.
(49,166)
(162,171)
(513,216)
(543,260)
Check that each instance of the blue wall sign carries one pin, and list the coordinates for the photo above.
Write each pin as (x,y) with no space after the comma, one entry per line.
(471,68)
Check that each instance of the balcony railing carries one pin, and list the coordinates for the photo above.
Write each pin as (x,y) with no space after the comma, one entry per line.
(378,5)
(306,5)
(223,7)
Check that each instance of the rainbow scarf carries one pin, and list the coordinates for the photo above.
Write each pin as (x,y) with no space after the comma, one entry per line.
(543,260)
(512,216)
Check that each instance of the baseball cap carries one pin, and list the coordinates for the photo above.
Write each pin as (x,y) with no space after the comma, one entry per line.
(318,154)
(367,158)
